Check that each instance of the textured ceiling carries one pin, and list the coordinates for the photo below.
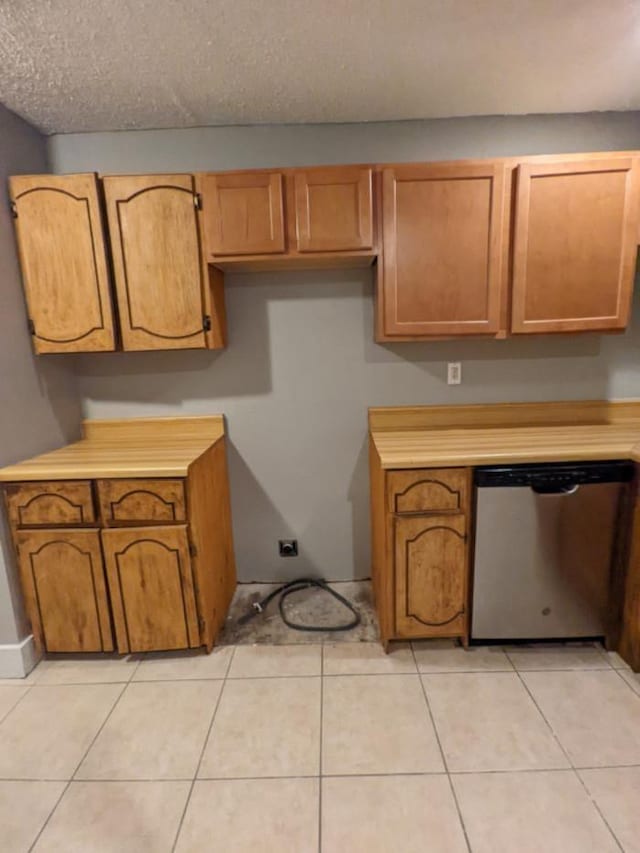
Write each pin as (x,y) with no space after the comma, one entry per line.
(82,65)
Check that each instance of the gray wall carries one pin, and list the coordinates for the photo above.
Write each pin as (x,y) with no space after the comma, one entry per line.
(39,407)
(302,367)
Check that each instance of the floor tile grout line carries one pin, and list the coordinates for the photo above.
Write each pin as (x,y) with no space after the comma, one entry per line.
(202,751)
(569,759)
(79,764)
(597,808)
(15,704)
(630,686)
(312,776)
(442,755)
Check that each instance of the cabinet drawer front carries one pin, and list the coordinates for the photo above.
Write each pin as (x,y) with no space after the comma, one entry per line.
(64,588)
(431,576)
(151,587)
(141,501)
(428,490)
(65,502)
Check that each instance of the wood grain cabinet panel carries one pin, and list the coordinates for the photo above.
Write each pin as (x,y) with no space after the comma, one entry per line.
(428,490)
(141,501)
(66,502)
(444,249)
(64,265)
(151,588)
(160,278)
(333,209)
(64,587)
(575,244)
(243,213)
(431,576)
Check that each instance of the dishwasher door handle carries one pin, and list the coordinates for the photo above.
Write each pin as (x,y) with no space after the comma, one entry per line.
(556,490)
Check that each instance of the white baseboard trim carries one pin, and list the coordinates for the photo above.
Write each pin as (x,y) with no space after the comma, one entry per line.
(17,660)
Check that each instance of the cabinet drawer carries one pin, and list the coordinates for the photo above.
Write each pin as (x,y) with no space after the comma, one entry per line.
(428,490)
(141,501)
(65,502)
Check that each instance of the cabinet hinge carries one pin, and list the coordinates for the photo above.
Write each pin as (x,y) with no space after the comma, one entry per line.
(31,326)
(13,208)
(193,551)
(197,200)
(206,323)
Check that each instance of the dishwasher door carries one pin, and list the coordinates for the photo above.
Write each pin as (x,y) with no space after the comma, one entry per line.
(543,561)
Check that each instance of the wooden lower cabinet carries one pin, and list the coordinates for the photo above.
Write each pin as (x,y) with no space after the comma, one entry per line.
(64,587)
(420,522)
(431,575)
(151,588)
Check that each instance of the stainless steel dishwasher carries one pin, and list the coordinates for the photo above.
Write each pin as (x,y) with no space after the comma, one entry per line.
(543,549)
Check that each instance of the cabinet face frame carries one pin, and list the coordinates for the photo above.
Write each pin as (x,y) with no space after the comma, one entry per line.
(526,173)
(50,245)
(221,245)
(497,250)
(137,332)
(180,629)
(39,584)
(360,180)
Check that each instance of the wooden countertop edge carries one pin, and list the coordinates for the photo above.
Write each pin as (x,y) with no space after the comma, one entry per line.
(186,438)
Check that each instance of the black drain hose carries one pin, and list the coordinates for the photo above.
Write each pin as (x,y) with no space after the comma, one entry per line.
(296,586)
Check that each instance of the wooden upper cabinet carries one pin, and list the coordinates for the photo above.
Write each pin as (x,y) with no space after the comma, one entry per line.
(575,244)
(160,276)
(334,209)
(243,213)
(63,258)
(445,243)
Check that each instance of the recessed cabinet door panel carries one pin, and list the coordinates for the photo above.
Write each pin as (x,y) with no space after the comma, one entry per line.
(63,259)
(157,261)
(431,576)
(444,246)
(151,587)
(575,244)
(243,213)
(334,209)
(64,587)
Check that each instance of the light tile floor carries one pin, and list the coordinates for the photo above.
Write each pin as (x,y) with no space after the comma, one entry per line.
(328,747)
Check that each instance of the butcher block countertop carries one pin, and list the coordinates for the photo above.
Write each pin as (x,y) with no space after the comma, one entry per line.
(135,447)
(442,436)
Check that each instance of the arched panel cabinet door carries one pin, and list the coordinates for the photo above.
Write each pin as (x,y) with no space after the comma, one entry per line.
(63,258)
(162,283)
(64,587)
(151,587)
(431,575)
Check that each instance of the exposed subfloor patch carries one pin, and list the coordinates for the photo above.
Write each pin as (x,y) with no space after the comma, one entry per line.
(310,607)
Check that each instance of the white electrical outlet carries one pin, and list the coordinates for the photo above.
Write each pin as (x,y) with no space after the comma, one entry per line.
(454,373)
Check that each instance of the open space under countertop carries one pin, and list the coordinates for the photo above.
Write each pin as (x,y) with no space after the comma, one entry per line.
(135,447)
(440,447)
